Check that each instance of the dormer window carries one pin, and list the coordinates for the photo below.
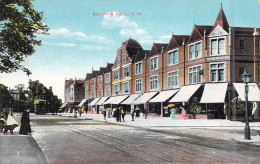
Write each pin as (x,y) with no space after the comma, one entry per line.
(218,46)
(195,51)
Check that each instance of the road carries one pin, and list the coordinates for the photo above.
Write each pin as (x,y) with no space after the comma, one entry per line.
(69,140)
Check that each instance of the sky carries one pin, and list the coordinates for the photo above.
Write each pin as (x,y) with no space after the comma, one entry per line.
(81,38)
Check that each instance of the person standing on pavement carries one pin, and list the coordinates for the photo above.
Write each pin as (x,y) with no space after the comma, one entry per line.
(104,113)
(80,111)
(137,111)
(133,113)
(123,114)
(25,124)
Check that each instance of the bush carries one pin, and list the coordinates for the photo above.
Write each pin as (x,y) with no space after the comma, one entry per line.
(195,109)
(239,108)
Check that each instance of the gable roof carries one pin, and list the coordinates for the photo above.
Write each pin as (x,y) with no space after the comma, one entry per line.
(222,20)
(198,32)
(157,48)
(140,55)
(132,47)
(176,41)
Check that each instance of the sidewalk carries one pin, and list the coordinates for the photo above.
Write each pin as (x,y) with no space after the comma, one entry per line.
(22,149)
(213,128)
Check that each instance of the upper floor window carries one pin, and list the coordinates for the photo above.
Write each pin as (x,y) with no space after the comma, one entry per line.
(154,63)
(138,68)
(126,87)
(92,82)
(124,58)
(217,72)
(100,92)
(100,80)
(194,76)
(195,51)
(107,77)
(173,57)
(138,85)
(126,72)
(218,46)
(116,77)
(154,82)
(92,93)
(107,91)
(173,79)
(119,60)
(116,89)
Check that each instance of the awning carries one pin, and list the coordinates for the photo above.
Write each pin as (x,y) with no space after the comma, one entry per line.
(145,97)
(119,99)
(63,105)
(185,93)
(94,101)
(101,101)
(163,96)
(214,93)
(109,100)
(253,91)
(82,102)
(131,99)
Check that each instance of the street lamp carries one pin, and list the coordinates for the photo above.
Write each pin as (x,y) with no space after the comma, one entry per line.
(246,78)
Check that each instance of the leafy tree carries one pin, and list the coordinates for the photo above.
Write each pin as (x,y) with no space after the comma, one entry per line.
(36,88)
(19,25)
(5,97)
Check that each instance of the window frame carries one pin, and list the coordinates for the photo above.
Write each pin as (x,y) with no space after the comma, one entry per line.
(217,71)
(174,77)
(93,82)
(100,79)
(115,89)
(198,76)
(107,79)
(107,89)
(117,75)
(152,81)
(194,44)
(157,61)
(125,72)
(100,95)
(173,57)
(126,82)
(217,46)
(140,70)
(137,83)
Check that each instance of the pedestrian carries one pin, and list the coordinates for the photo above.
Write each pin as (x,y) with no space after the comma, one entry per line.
(123,114)
(80,111)
(104,113)
(25,124)
(137,111)
(119,114)
(133,113)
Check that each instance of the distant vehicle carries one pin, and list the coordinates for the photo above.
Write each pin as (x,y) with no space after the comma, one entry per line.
(39,105)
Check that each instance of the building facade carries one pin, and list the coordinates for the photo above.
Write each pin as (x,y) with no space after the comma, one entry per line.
(211,55)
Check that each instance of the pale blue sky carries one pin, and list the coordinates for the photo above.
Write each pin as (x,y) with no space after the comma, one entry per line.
(79,41)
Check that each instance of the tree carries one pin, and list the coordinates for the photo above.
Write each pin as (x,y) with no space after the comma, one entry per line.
(19,25)
(5,97)
(36,89)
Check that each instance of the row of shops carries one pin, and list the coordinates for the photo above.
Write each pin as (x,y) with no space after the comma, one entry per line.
(213,99)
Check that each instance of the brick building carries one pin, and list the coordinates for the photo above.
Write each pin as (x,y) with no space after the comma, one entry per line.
(204,67)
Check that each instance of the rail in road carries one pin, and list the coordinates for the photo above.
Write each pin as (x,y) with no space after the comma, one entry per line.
(181,148)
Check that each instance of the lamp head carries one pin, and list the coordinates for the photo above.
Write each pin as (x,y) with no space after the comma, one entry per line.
(246,76)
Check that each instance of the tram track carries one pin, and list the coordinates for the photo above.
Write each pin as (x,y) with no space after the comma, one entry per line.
(187,148)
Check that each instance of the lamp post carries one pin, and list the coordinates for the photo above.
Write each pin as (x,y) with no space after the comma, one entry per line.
(246,78)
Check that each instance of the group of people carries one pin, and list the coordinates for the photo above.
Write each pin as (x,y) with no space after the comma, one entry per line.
(119,113)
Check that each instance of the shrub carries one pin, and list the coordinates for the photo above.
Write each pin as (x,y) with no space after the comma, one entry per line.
(239,108)
(195,109)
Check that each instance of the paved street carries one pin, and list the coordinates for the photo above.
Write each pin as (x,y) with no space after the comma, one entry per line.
(70,140)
